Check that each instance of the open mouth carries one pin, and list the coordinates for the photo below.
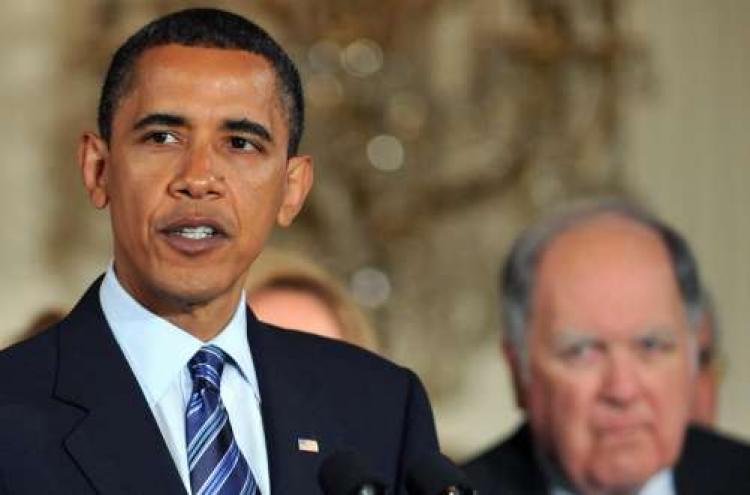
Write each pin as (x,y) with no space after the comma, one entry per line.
(195,233)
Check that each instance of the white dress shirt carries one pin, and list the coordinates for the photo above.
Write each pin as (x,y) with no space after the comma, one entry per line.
(659,484)
(158,352)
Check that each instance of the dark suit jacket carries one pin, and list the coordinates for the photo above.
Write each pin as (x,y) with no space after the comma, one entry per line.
(710,464)
(73,419)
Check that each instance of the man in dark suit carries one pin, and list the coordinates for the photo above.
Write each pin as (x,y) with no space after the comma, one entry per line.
(161,380)
(602,303)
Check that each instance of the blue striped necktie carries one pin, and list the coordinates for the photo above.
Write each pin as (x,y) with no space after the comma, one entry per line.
(216,464)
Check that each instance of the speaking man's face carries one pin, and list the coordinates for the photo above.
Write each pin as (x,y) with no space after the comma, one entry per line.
(195,175)
(611,368)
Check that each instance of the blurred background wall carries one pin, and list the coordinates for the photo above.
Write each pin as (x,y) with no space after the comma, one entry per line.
(440,128)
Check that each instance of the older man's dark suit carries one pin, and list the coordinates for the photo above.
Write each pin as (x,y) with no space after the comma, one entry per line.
(710,464)
(74,420)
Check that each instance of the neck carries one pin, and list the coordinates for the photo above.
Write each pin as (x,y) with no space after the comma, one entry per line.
(555,478)
(202,316)
(203,322)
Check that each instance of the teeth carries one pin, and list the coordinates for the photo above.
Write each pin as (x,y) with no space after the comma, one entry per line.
(197,233)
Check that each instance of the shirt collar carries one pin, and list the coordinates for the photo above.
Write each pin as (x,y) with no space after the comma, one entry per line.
(661,483)
(157,350)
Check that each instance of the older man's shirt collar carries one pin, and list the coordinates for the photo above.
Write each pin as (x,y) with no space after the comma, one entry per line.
(661,483)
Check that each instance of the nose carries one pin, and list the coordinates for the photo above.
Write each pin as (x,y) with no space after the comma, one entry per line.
(621,385)
(198,176)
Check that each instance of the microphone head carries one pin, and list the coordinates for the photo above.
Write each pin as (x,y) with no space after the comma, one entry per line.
(346,473)
(435,474)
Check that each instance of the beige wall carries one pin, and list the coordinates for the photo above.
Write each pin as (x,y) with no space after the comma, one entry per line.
(688,153)
(30,108)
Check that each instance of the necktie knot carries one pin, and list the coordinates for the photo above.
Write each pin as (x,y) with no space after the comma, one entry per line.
(207,365)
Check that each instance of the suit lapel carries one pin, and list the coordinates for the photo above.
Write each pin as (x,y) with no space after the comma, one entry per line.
(521,470)
(695,472)
(289,411)
(117,444)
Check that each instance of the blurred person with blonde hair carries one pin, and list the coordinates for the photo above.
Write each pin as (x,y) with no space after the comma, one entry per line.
(290,290)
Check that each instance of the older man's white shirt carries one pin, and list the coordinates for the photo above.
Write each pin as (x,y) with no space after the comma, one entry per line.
(660,484)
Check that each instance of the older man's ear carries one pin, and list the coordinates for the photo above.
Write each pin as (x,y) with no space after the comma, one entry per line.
(516,372)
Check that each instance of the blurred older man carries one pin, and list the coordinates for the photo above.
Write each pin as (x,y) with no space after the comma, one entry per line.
(602,303)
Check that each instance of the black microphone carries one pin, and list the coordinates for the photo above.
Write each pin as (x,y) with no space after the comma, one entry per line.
(435,474)
(345,473)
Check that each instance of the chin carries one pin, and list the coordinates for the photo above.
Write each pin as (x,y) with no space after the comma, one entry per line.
(193,290)
(624,476)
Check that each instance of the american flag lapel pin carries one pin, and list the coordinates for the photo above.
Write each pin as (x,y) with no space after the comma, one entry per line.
(308,445)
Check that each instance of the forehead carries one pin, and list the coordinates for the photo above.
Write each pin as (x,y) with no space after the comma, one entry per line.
(193,78)
(608,273)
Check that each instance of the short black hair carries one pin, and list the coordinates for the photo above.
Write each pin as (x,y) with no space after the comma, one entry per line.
(206,28)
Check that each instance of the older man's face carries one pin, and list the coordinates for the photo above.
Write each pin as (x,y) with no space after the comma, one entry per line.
(610,356)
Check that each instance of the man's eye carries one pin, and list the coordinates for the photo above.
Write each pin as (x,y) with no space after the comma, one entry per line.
(241,143)
(576,351)
(654,344)
(580,351)
(161,137)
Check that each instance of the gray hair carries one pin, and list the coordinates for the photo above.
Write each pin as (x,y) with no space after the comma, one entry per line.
(518,276)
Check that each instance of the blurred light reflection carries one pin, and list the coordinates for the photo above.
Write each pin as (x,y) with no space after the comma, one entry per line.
(386,153)
(370,287)
(362,58)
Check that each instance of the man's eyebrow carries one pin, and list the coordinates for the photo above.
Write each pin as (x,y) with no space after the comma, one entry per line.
(165,119)
(660,332)
(249,127)
(574,337)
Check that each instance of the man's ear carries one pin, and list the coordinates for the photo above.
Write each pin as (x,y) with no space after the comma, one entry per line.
(299,179)
(93,158)
(517,373)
